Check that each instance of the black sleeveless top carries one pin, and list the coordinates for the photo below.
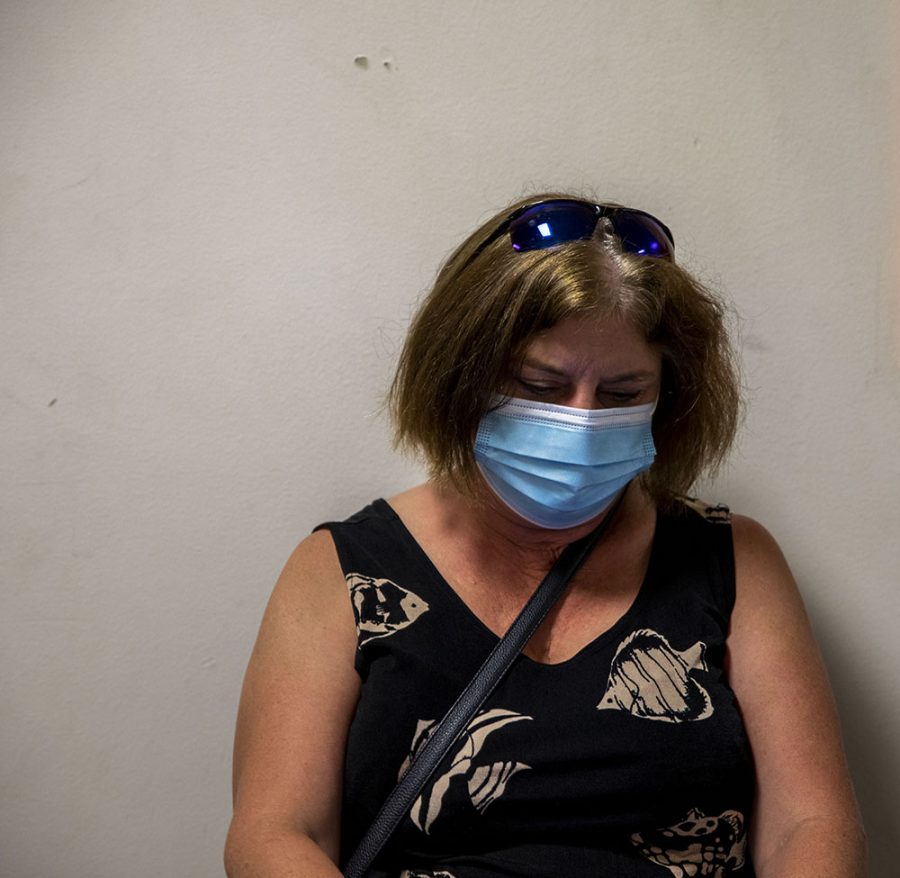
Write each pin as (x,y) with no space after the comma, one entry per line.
(629,760)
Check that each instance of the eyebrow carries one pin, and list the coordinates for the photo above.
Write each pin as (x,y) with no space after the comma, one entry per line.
(614,379)
(630,376)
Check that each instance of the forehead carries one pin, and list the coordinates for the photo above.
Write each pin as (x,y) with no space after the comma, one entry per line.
(607,342)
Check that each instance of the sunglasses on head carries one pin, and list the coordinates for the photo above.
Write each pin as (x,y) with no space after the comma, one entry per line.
(560,221)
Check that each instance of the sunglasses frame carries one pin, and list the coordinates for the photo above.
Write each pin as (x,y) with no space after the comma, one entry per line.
(601,211)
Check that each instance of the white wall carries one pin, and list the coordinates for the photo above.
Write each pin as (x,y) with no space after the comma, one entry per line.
(214,223)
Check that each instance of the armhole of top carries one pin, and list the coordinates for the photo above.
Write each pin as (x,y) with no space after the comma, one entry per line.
(334,528)
(345,546)
(725,569)
(714,531)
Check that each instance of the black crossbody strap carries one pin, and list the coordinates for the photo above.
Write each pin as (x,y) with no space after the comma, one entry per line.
(402,797)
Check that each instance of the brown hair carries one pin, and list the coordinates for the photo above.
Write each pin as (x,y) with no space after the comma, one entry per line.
(474,325)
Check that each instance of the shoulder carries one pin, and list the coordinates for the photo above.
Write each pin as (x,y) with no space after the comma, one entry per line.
(310,593)
(313,552)
(752,539)
(761,569)
(313,562)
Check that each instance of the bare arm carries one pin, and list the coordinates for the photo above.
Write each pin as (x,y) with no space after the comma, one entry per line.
(806,818)
(298,699)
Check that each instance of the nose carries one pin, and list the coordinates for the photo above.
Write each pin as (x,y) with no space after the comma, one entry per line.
(583,397)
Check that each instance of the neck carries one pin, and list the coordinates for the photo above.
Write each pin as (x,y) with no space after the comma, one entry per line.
(488,526)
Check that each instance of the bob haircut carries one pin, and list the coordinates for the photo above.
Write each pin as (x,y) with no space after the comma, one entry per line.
(470,332)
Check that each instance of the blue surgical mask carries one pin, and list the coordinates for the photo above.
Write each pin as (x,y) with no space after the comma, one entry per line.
(557,466)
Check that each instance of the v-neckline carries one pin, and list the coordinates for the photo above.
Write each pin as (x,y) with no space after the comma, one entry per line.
(592,645)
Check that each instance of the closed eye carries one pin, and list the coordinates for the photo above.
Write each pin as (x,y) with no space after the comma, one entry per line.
(622,395)
(538,389)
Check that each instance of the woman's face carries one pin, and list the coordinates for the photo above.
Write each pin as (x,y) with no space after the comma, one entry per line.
(589,363)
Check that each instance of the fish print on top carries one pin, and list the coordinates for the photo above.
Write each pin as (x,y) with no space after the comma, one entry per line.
(651,680)
(485,783)
(717,513)
(418,873)
(697,845)
(381,606)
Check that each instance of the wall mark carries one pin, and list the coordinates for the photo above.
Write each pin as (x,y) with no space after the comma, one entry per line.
(387,61)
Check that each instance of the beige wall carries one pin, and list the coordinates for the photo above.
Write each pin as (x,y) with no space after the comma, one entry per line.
(213,223)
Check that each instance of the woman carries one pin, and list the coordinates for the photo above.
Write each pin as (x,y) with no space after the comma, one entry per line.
(672,712)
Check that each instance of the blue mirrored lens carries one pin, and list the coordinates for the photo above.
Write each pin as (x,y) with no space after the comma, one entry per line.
(548,225)
(641,234)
